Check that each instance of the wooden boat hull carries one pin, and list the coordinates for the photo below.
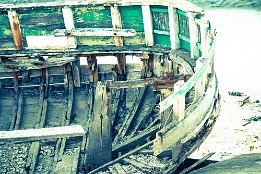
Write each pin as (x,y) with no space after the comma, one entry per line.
(104,86)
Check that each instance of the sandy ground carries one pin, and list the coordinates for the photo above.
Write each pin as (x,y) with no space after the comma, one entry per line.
(237,130)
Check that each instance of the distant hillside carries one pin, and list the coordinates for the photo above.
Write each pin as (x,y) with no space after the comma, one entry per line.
(227,3)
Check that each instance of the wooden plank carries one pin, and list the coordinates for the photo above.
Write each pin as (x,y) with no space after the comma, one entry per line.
(94,32)
(69,24)
(16,31)
(100,140)
(116,23)
(148,25)
(42,133)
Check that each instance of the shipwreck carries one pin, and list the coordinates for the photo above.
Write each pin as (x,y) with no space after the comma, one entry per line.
(104,86)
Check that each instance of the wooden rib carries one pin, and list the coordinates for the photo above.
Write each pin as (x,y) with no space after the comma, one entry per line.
(16,100)
(174,28)
(116,23)
(76,72)
(69,24)
(68,82)
(35,146)
(148,25)
(130,116)
(15,27)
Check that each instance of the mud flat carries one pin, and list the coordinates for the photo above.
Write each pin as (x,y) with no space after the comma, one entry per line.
(237,130)
(225,3)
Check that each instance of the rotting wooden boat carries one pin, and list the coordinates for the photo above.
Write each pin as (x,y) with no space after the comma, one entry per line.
(101,86)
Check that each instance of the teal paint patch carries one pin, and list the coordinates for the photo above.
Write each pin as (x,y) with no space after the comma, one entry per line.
(162,39)
(131,17)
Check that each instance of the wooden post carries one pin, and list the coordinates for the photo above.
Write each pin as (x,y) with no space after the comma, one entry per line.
(179,105)
(148,25)
(121,65)
(116,23)
(204,33)
(76,72)
(200,84)
(174,28)
(16,31)
(69,24)
(100,140)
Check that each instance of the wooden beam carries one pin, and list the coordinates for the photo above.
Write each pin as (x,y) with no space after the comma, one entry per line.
(94,32)
(69,24)
(116,23)
(148,25)
(15,27)
(158,83)
(42,133)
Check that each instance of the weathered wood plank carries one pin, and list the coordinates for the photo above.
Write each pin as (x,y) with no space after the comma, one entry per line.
(27,64)
(158,83)
(42,133)
(94,32)
(100,140)
(15,27)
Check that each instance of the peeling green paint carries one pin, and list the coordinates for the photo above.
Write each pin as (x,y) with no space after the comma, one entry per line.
(95,17)
(95,40)
(40,22)
(138,39)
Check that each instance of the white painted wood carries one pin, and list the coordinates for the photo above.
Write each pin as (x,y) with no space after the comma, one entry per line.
(200,84)
(69,24)
(40,134)
(148,25)
(179,105)
(116,23)
(174,28)
(193,35)
(46,42)
(95,32)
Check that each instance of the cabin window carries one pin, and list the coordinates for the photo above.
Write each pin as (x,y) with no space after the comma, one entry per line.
(160,19)
(184,35)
